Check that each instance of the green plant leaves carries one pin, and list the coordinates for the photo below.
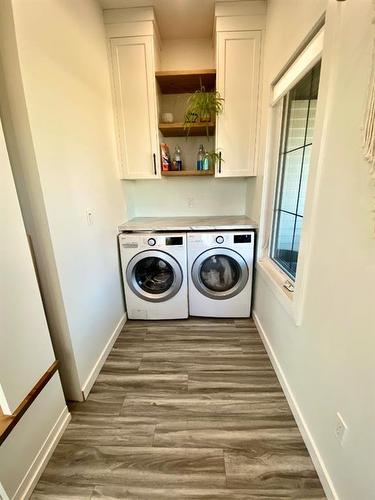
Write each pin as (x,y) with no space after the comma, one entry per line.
(202,106)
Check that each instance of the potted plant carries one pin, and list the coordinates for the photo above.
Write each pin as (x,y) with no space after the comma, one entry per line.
(202,106)
(213,157)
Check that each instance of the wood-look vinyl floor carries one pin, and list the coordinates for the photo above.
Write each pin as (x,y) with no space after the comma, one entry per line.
(187,409)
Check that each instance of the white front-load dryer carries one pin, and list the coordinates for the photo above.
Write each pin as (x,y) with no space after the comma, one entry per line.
(220,273)
(154,268)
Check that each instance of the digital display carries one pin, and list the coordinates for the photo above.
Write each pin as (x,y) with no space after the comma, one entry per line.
(242,238)
(174,240)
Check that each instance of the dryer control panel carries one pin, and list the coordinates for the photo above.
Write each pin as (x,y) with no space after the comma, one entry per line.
(224,238)
(242,238)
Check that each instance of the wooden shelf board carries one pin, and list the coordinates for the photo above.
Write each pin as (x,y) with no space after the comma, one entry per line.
(187,173)
(178,130)
(181,82)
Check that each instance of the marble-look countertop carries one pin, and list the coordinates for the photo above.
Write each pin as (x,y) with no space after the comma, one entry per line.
(188,223)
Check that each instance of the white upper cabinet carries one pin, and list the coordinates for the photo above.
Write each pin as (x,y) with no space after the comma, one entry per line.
(135,102)
(238,66)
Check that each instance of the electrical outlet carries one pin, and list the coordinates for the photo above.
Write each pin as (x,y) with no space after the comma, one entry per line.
(341,429)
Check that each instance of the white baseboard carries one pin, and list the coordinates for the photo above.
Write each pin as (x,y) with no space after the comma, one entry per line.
(102,357)
(3,495)
(301,423)
(37,467)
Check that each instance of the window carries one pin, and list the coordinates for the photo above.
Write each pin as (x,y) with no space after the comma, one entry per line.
(299,106)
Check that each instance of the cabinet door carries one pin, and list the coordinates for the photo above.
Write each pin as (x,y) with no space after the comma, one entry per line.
(135,107)
(238,61)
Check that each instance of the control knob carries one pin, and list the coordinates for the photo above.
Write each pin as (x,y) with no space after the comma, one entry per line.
(152,242)
(219,239)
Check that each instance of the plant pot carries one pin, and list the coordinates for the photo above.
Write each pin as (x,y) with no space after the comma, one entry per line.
(191,117)
(206,117)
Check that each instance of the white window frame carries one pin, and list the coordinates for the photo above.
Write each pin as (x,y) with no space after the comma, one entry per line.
(267,269)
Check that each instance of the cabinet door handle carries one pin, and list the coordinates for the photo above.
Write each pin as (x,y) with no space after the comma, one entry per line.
(154,158)
(220,162)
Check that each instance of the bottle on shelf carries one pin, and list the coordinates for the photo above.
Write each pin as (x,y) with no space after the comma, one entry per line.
(200,157)
(206,163)
(177,160)
(165,158)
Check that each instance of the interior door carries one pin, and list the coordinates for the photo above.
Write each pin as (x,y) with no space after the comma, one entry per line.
(133,77)
(154,276)
(238,61)
(220,273)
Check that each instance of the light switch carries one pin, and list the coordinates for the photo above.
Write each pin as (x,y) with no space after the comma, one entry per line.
(89,217)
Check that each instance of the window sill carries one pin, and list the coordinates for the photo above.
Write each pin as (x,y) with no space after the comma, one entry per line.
(275,279)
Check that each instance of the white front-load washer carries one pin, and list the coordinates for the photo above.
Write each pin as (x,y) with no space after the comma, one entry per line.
(154,268)
(220,273)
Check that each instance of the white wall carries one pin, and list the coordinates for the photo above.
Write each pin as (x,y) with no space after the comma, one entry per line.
(185,196)
(26,351)
(65,77)
(23,326)
(25,452)
(328,361)
(281,44)
(187,54)
(20,146)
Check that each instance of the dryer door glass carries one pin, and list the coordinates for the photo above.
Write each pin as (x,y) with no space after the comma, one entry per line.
(220,273)
(154,275)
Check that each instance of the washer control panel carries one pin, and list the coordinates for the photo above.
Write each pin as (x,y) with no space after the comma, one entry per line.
(152,240)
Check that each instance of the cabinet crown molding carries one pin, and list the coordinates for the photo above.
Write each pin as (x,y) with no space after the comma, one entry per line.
(248,8)
(129,15)
(135,21)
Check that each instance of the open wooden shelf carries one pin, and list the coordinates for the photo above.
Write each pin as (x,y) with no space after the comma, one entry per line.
(182,82)
(186,173)
(178,130)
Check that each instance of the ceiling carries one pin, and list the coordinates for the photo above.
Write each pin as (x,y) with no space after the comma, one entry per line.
(176,18)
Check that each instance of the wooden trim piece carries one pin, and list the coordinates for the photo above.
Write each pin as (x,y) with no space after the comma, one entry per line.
(186,173)
(8,422)
(186,72)
(195,129)
(181,82)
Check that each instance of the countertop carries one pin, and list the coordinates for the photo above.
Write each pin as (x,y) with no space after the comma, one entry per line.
(236,222)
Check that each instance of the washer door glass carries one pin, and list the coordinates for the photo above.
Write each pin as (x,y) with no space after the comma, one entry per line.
(154,275)
(220,273)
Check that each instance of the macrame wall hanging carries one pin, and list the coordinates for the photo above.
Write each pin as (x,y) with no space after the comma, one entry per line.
(369,127)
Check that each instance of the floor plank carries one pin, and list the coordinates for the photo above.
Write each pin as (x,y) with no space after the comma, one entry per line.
(54,491)
(285,466)
(144,493)
(161,407)
(152,466)
(188,409)
(262,434)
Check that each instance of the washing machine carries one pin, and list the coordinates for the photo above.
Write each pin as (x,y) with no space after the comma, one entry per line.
(154,267)
(220,273)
